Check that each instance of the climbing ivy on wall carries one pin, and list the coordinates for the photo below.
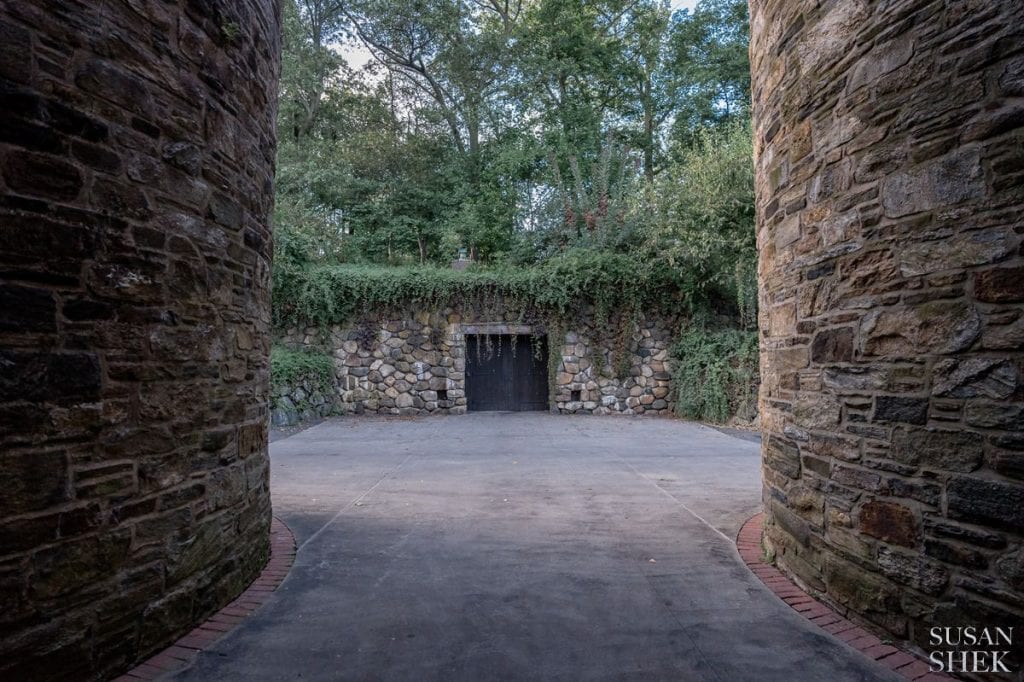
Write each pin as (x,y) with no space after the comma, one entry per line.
(715,373)
(556,341)
(291,367)
(560,287)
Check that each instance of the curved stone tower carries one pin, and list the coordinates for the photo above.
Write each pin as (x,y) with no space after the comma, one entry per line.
(136,169)
(889,142)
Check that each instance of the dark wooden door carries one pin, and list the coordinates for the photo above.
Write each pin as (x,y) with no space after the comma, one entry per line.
(487,373)
(500,377)
(530,374)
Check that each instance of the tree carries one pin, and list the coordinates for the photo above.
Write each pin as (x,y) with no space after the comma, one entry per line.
(308,62)
(451,53)
(709,61)
(648,87)
(515,128)
(704,222)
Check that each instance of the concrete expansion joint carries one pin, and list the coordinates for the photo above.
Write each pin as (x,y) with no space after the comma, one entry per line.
(903,662)
(183,652)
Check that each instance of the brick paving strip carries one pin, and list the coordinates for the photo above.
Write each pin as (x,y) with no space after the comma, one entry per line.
(905,664)
(180,654)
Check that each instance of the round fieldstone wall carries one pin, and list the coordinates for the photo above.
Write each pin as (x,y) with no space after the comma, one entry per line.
(136,172)
(889,143)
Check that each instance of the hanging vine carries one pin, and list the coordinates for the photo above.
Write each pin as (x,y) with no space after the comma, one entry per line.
(627,324)
(606,282)
(604,292)
(556,341)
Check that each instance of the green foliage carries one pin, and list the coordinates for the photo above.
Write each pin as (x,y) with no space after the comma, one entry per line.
(290,368)
(715,373)
(231,30)
(583,153)
(559,287)
(516,130)
(597,205)
(704,219)
(556,338)
(708,59)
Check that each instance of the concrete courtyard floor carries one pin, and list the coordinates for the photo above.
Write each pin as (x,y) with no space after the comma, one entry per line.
(521,546)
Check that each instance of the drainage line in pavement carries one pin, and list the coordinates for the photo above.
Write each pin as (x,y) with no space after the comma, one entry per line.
(354,502)
(672,497)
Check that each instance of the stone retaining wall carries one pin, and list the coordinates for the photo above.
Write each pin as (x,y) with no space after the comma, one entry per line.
(136,181)
(398,362)
(890,164)
(302,400)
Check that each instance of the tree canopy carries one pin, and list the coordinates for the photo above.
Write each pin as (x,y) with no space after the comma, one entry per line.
(518,131)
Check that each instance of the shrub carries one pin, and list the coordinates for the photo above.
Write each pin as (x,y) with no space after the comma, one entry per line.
(704,217)
(715,374)
(290,368)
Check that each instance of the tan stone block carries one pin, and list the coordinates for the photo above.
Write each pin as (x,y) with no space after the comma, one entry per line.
(787,232)
(816,412)
(783,360)
(782,319)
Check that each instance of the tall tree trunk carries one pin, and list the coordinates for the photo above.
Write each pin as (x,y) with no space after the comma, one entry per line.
(648,102)
(473,158)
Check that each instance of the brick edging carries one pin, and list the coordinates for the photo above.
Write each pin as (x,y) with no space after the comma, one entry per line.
(904,663)
(181,654)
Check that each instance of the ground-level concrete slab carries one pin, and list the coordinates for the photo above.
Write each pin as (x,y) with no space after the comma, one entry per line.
(512,546)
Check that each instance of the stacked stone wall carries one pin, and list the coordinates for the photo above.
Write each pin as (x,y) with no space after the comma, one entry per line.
(889,142)
(136,171)
(397,363)
(302,400)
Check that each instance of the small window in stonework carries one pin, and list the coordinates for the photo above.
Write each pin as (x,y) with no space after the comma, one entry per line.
(442,394)
(575,396)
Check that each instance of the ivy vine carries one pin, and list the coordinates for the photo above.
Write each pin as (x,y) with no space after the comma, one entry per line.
(290,368)
(608,282)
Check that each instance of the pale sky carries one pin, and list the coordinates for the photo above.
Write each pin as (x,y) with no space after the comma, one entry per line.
(684,4)
(357,55)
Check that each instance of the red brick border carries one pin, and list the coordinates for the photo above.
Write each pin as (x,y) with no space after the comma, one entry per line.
(181,653)
(904,663)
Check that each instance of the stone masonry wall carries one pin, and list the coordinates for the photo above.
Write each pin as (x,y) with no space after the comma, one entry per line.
(302,400)
(397,363)
(136,172)
(889,142)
